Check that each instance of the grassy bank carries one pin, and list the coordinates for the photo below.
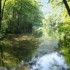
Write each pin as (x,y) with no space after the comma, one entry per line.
(17,48)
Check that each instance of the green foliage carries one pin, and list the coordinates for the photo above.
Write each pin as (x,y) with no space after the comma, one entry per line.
(20,16)
(63,28)
(65,41)
(64,44)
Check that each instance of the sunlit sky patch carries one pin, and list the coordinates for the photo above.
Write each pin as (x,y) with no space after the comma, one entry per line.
(46,8)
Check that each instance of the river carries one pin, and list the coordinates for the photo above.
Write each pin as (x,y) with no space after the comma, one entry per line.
(46,58)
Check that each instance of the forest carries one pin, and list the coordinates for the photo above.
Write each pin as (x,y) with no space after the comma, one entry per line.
(26,25)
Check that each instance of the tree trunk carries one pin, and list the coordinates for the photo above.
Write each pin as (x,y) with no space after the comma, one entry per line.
(1,54)
(1,38)
(67,6)
(0,14)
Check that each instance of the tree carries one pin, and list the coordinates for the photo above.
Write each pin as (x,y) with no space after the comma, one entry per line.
(64,28)
(67,6)
(60,2)
(0,14)
(1,37)
(17,16)
(20,16)
(1,11)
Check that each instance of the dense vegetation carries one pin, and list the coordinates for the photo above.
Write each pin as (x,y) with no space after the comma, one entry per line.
(64,27)
(20,19)
(19,16)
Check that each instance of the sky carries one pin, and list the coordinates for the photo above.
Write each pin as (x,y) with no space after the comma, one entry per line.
(46,7)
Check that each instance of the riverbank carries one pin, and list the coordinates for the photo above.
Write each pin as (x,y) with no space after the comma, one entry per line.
(17,48)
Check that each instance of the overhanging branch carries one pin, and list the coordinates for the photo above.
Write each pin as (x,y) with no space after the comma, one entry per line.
(67,6)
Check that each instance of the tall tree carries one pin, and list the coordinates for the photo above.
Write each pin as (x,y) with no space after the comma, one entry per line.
(67,6)
(1,37)
(60,2)
(22,15)
(0,14)
(1,11)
